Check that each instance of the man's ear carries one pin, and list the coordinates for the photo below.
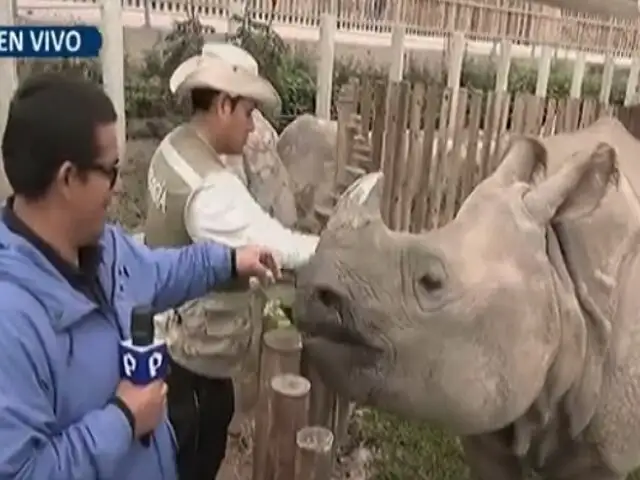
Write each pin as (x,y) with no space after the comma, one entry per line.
(577,188)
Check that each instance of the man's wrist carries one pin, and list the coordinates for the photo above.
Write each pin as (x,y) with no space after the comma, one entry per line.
(233,260)
(126,411)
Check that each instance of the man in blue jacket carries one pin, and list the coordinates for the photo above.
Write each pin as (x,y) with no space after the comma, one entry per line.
(68,284)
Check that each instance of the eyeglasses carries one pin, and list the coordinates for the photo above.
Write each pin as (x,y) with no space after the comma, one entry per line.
(110,172)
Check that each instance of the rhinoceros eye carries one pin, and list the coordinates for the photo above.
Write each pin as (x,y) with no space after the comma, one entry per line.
(433,276)
(430,283)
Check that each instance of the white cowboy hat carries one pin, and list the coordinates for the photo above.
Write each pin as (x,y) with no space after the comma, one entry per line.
(226,68)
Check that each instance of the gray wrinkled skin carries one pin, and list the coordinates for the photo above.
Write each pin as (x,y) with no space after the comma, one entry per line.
(515,326)
(307,148)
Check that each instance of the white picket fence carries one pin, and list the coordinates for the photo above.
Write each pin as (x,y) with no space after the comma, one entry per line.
(522,22)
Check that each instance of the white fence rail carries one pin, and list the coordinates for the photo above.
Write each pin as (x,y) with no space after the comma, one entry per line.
(485,20)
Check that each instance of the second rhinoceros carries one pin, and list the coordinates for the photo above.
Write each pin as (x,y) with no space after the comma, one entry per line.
(515,326)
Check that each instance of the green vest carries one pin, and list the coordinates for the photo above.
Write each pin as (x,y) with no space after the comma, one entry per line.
(214,335)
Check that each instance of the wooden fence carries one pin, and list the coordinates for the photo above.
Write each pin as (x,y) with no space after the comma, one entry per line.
(433,151)
(298,422)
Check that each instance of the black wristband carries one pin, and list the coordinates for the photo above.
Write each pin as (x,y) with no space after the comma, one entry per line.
(234,264)
(126,411)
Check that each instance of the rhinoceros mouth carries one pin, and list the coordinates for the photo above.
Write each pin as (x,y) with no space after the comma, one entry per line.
(328,317)
(337,334)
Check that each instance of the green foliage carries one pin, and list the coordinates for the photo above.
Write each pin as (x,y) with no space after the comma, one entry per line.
(88,68)
(290,74)
(409,450)
(523,76)
(147,84)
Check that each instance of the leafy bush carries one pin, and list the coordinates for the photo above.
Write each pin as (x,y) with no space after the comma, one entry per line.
(291,75)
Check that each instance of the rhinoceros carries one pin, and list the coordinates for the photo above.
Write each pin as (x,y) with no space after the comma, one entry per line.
(515,326)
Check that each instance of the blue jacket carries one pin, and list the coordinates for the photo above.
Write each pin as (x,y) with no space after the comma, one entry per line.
(59,364)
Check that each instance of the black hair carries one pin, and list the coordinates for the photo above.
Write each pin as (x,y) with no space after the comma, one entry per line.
(202,98)
(52,119)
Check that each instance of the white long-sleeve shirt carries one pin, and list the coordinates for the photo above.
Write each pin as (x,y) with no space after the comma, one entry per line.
(222,209)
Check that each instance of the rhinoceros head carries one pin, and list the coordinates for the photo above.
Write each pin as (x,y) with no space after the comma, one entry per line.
(467,325)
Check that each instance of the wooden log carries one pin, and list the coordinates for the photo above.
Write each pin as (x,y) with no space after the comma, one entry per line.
(290,407)
(321,398)
(313,458)
(281,351)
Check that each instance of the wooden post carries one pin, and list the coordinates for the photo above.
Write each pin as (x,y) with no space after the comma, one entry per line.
(346,107)
(313,460)
(112,56)
(377,130)
(414,165)
(326,47)
(391,125)
(290,406)
(9,82)
(399,158)
(321,398)
(429,165)
(280,354)
(578,75)
(632,81)
(544,70)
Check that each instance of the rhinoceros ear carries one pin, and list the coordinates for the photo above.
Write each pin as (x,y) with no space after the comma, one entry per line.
(359,203)
(524,157)
(577,188)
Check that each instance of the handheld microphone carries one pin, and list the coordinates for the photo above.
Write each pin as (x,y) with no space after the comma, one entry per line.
(143,359)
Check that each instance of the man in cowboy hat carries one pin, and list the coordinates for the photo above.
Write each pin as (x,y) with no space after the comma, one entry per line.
(200,189)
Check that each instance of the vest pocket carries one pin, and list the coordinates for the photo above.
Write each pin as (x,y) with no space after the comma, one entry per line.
(216,331)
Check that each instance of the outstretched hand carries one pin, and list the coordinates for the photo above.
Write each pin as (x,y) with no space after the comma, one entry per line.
(255,261)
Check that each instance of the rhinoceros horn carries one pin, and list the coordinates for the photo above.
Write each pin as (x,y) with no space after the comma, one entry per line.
(524,157)
(359,204)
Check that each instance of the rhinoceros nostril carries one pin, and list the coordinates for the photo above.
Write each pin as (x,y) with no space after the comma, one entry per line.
(328,297)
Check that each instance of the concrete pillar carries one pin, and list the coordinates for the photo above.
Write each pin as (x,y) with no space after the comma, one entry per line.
(396,53)
(544,70)
(578,75)
(326,46)
(112,57)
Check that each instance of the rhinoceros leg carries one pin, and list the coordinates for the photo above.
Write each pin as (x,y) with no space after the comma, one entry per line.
(489,457)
